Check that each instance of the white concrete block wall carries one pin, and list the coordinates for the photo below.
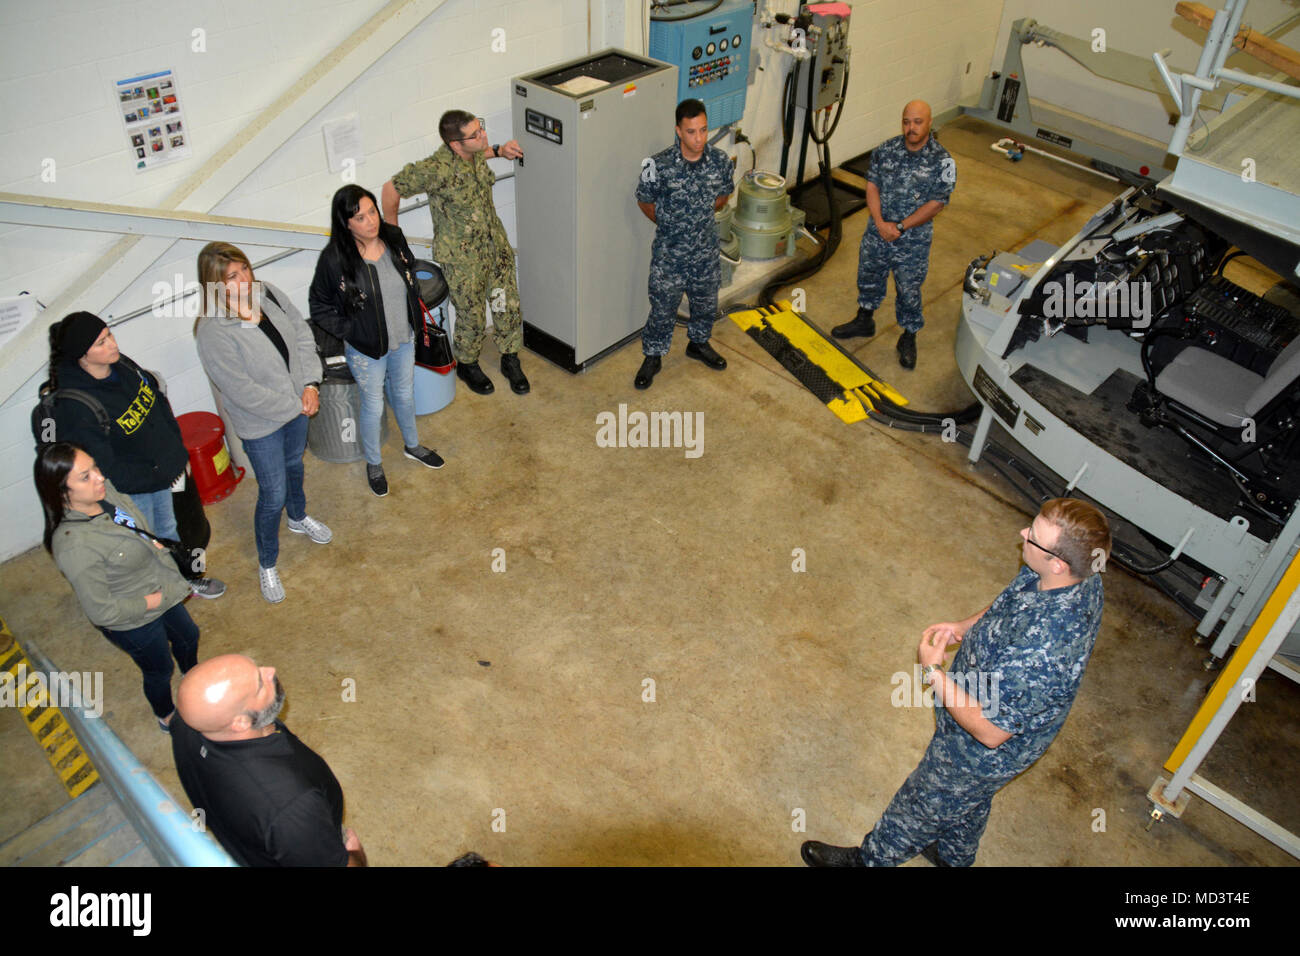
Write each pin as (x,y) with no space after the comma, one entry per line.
(901,50)
(56,101)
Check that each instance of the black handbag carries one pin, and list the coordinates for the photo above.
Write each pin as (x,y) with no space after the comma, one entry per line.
(432,345)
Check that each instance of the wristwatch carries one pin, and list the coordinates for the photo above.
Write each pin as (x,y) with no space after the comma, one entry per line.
(899,225)
(496,152)
(927,670)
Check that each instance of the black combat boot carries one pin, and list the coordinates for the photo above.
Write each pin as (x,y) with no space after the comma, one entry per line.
(861,325)
(473,376)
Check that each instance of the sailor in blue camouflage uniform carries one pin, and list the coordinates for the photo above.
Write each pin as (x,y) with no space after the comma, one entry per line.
(908,184)
(680,189)
(1008,693)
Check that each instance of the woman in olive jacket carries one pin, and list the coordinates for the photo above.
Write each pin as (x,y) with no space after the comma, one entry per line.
(126,581)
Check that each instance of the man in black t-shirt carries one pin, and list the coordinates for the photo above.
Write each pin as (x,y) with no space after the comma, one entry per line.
(268,798)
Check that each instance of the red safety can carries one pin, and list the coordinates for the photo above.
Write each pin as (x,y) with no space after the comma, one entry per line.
(215,475)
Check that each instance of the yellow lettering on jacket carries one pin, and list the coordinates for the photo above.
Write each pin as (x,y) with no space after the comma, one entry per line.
(135,414)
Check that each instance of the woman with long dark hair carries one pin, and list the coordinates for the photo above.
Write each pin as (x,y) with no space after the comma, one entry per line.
(261,358)
(126,581)
(364,292)
(136,440)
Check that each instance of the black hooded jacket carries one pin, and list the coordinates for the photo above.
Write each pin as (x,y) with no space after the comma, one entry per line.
(142,451)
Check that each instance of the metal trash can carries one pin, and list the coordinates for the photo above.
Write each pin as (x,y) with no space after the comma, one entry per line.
(334,433)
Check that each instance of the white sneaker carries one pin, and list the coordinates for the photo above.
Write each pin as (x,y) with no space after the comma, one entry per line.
(314,529)
(272,589)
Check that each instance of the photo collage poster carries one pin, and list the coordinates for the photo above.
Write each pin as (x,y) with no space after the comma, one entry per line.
(151,113)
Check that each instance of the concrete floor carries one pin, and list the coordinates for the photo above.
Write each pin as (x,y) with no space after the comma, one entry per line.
(523,691)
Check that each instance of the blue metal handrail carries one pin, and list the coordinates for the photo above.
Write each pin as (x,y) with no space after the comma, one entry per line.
(159,820)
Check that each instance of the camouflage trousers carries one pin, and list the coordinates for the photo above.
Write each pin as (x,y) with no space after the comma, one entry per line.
(474,284)
(696,276)
(908,257)
(943,800)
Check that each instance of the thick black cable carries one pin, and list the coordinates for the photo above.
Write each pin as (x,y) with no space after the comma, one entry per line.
(788,107)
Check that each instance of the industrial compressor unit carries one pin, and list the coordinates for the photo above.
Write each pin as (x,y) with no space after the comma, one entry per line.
(587,127)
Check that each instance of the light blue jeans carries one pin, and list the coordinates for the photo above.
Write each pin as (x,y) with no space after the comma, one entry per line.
(159,516)
(277,462)
(394,373)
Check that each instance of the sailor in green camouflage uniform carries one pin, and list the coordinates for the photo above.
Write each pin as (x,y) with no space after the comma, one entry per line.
(1007,695)
(679,190)
(469,243)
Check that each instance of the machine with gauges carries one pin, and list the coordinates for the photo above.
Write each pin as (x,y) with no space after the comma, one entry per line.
(711,52)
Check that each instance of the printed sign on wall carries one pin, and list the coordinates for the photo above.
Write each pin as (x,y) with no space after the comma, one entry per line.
(150,106)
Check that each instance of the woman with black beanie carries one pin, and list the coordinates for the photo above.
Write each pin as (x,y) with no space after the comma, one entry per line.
(141,451)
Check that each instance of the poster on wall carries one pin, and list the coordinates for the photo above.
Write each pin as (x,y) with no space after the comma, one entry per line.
(15,312)
(150,107)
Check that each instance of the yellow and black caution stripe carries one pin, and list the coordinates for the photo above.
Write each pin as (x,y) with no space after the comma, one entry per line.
(845,387)
(46,722)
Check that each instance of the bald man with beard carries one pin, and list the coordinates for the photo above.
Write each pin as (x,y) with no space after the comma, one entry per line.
(269,799)
(908,184)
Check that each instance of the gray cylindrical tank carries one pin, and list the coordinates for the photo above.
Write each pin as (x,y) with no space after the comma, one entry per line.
(763,221)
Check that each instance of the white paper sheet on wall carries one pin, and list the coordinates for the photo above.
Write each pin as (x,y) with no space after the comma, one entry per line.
(15,313)
(343,142)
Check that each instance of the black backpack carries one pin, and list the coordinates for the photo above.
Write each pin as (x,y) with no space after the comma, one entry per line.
(43,414)
(191,522)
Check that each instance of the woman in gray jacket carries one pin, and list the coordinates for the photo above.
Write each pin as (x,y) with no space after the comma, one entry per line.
(126,581)
(261,358)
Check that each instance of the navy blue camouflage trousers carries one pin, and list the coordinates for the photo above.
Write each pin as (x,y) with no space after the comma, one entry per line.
(908,257)
(698,277)
(944,800)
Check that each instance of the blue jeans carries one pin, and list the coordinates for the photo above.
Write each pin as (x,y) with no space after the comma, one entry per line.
(277,463)
(156,509)
(395,372)
(152,646)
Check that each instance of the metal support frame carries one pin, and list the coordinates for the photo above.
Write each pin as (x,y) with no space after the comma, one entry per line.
(1262,581)
(161,822)
(1005,101)
(1188,91)
(130,256)
(1239,676)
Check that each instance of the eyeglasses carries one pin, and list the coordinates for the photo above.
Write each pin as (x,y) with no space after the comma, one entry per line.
(482,131)
(1029,537)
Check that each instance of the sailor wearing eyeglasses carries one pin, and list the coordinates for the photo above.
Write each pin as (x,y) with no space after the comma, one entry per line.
(1034,641)
(469,243)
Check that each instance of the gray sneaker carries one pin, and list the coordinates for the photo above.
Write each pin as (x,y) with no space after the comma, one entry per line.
(208,587)
(272,589)
(316,530)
